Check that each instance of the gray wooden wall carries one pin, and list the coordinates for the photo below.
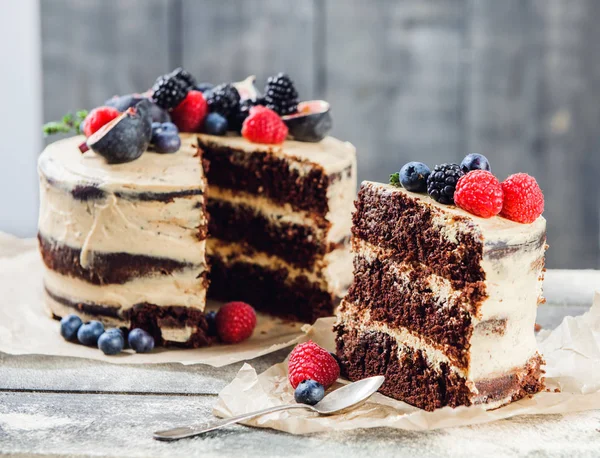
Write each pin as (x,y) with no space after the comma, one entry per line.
(428,80)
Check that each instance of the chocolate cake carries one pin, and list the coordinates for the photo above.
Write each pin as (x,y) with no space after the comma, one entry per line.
(443,303)
(128,243)
(280,223)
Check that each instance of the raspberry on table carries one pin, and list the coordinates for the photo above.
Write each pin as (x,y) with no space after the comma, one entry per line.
(523,198)
(189,115)
(308,361)
(235,322)
(97,118)
(480,193)
(263,125)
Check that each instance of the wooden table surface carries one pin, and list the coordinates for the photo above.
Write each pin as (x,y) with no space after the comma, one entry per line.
(76,407)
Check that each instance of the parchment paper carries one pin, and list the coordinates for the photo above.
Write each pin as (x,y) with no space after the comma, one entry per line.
(572,353)
(26,327)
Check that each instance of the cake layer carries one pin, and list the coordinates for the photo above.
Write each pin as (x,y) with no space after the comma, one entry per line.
(186,288)
(169,325)
(412,377)
(294,173)
(109,268)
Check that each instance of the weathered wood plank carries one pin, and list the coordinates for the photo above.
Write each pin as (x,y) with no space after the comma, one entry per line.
(109,425)
(532,107)
(95,49)
(394,79)
(229,40)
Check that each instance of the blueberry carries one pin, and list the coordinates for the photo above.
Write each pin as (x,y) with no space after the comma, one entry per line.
(309,392)
(140,341)
(89,333)
(211,319)
(69,326)
(203,87)
(474,161)
(215,124)
(169,127)
(166,142)
(114,331)
(413,176)
(111,342)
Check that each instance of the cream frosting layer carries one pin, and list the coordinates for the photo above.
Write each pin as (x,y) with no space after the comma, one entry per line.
(182,288)
(333,273)
(330,153)
(119,225)
(63,163)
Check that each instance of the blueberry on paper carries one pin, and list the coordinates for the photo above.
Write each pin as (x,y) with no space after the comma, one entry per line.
(140,341)
(111,342)
(69,326)
(89,333)
(309,392)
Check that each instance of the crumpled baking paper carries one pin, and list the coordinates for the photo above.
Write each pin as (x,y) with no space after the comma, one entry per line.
(26,327)
(572,353)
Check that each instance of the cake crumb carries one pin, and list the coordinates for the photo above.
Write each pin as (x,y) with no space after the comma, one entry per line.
(537,327)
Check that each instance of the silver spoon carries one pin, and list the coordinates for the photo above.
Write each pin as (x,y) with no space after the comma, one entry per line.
(335,402)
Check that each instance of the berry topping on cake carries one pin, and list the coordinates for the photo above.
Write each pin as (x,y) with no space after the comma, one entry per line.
(165,138)
(204,87)
(126,137)
(98,118)
(237,120)
(309,392)
(189,115)
(523,198)
(140,341)
(442,182)
(475,161)
(311,123)
(413,176)
(111,342)
(281,95)
(309,361)
(123,102)
(89,333)
(69,326)
(235,322)
(480,193)
(211,321)
(184,76)
(223,99)
(263,125)
(215,124)
(169,91)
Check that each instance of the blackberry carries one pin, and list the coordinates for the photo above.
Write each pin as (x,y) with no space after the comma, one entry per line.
(169,91)
(184,76)
(223,99)
(442,182)
(242,113)
(281,95)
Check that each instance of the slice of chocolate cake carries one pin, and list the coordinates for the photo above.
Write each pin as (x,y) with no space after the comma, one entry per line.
(443,302)
(280,223)
(125,243)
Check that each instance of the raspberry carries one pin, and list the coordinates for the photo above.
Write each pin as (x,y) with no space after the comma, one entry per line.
(479,192)
(235,322)
(308,361)
(189,115)
(97,118)
(263,125)
(523,198)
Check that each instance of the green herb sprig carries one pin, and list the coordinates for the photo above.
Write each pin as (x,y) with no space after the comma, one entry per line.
(395,179)
(69,122)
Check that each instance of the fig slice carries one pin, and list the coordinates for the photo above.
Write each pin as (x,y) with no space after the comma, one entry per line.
(311,123)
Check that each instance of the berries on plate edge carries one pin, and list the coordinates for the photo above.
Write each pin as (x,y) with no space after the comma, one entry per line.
(263,125)
(165,138)
(441,183)
(89,333)
(111,342)
(140,341)
(310,361)
(480,193)
(523,199)
(235,322)
(126,137)
(309,392)
(475,161)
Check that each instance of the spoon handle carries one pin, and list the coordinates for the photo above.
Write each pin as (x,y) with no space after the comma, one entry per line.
(190,431)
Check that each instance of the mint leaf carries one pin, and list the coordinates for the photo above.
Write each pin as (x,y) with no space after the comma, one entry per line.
(395,179)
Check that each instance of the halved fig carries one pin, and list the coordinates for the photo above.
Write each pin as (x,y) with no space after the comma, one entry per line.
(246,88)
(311,123)
(126,137)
